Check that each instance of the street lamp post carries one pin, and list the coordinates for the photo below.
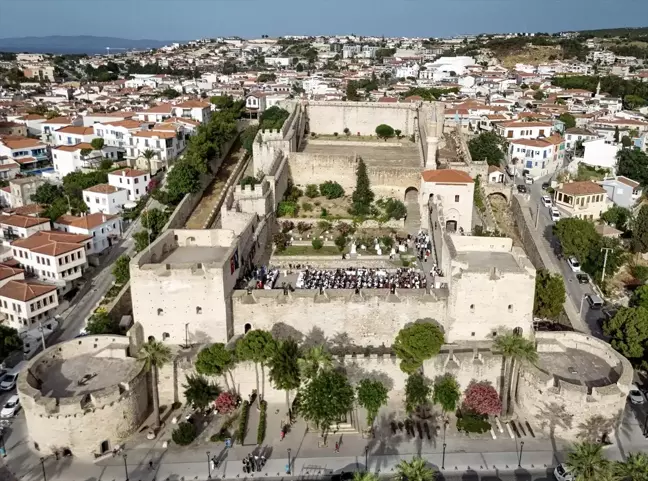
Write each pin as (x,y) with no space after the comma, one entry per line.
(208,466)
(520,457)
(645,428)
(367,459)
(125,466)
(580,311)
(42,460)
(443,459)
(288,466)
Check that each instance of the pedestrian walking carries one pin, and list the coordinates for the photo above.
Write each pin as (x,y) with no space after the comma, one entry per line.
(150,465)
(337,447)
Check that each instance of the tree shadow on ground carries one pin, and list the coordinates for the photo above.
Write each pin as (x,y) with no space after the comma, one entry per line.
(554,416)
(596,427)
(385,442)
(282,331)
(315,337)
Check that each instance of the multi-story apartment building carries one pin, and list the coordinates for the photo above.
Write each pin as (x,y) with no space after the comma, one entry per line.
(53,256)
(133,180)
(539,157)
(116,133)
(21,226)
(157,113)
(24,151)
(166,144)
(573,135)
(193,109)
(25,303)
(105,198)
(103,229)
(524,130)
(72,134)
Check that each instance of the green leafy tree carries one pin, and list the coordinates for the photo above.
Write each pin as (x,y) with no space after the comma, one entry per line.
(576,236)
(331,190)
(222,102)
(273,118)
(516,350)
(256,346)
(170,93)
(154,355)
(217,360)
(97,143)
(446,393)
(315,361)
(618,217)
(487,146)
(10,341)
(362,196)
(586,462)
(416,343)
(417,392)
(341,242)
(154,220)
(142,240)
(184,434)
(326,399)
(640,297)
(266,77)
(101,323)
(633,163)
(283,368)
(549,295)
(384,131)
(616,257)
(47,193)
(247,137)
(628,330)
(634,101)
(640,231)
(312,191)
(372,395)
(199,392)
(181,180)
(121,269)
(415,470)
(352,91)
(568,119)
(539,95)
(395,209)
(317,244)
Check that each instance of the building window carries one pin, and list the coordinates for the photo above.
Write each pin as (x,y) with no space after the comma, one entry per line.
(456,198)
(160,311)
(198,310)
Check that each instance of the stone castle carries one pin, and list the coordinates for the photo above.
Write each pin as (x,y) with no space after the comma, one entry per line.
(184,286)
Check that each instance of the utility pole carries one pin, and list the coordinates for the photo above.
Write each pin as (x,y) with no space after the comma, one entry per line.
(40,328)
(537,216)
(606,249)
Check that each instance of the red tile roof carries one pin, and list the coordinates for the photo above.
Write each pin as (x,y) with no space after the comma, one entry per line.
(25,290)
(585,187)
(447,176)
(128,172)
(23,221)
(87,222)
(52,243)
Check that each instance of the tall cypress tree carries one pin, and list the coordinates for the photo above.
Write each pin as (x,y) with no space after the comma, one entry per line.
(362,196)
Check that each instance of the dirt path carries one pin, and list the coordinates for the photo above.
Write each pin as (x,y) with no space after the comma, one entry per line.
(213,191)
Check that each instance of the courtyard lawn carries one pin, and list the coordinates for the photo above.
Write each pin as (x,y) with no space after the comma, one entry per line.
(309,251)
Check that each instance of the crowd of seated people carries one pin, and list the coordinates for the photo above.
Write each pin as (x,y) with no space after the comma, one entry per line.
(402,278)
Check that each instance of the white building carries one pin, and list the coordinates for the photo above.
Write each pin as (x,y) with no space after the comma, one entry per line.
(524,130)
(72,134)
(166,144)
(21,226)
(23,150)
(53,256)
(157,113)
(134,181)
(8,168)
(115,133)
(193,109)
(599,153)
(25,303)
(572,136)
(105,199)
(256,102)
(70,158)
(456,190)
(104,229)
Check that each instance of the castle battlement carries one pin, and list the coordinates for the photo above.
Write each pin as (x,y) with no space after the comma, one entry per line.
(251,191)
(277,296)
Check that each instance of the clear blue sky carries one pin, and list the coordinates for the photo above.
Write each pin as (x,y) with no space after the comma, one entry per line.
(191,19)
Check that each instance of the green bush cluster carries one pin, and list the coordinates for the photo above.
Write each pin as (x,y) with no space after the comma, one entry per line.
(317,244)
(331,190)
(273,118)
(471,422)
(263,414)
(184,434)
(245,411)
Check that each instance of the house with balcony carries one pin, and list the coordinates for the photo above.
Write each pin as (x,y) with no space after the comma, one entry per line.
(50,126)
(25,303)
(29,153)
(53,256)
(623,191)
(166,144)
(15,226)
(584,200)
(197,110)
(157,113)
(523,130)
(72,135)
(577,134)
(105,199)
(539,157)
(8,168)
(134,181)
(104,229)
(255,102)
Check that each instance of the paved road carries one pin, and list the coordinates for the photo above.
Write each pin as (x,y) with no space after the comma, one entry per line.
(574,290)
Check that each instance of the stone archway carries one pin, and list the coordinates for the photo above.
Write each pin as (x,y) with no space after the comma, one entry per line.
(411,195)
(413,219)
(500,195)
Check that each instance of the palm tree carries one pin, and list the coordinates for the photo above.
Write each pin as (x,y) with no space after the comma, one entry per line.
(148,154)
(516,350)
(586,462)
(635,467)
(199,392)
(153,355)
(257,346)
(316,360)
(283,368)
(364,476)
(414,470)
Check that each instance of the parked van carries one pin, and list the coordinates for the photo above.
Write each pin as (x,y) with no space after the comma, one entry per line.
(594,301)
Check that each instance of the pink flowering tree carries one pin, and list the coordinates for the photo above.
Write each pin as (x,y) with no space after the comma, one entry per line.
(482,398)
(225,403)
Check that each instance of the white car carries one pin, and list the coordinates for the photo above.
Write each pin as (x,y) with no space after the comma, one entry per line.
(555,214)
(8,382)
(636,396)
(11,407)
(574,265)
(562,473)
(546,200)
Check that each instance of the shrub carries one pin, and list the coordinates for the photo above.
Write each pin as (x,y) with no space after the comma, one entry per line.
(317,203)
(184,434)
(220,436)
(293,193)
(308,207)
(384,131)
(640,272)
(245,410)
(341,242)
(346,131)
(395,209)
(482,398)
(176,405)
(303,227)
(281,241)
(324,214)
(345,229)
(387,241)
(317,244)
(313,134)
(261,431)
(470,422)
(331,190)
(225,403)
(312,191)
(335,134)
(287,208)
(249,180)
(324,225)
(287,226)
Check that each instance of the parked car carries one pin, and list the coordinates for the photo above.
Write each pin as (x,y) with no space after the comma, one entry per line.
(582,278)
(636,396)
(562,473)
(8,381)
(521,188)
(11,407)
(594,301)
(528,179)
(545,185)
(574,265)
(555,214)
(546,200)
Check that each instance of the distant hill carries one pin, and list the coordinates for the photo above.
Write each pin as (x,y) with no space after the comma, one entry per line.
(79,44)
(616,32)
